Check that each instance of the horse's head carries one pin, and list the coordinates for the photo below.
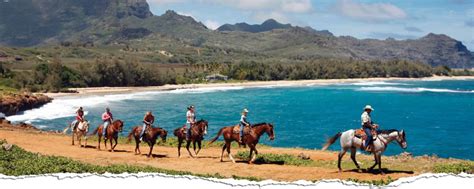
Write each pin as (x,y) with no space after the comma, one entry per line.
(401,139)
(202,126)
(119,125)
(163,135)
(85,126)
(270,131)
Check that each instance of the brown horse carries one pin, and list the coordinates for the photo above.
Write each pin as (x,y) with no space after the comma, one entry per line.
(198,130)
(251,138)
(149,137)
(111,133)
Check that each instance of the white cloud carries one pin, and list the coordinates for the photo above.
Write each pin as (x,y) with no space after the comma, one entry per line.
(370,11)
(187,14)
(297,6)
(213,25)
(165,1)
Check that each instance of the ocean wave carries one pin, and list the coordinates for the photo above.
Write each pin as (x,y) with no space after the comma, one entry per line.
(413,90)
(375,83)
(66,106)
(204,90)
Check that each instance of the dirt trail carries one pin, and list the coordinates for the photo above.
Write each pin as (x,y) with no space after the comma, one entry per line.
(166,158)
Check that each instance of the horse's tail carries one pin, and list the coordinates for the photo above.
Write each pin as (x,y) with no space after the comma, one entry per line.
(95,131)
(66,129)
(218,135)
(130,135)
(176,131)
(331,141)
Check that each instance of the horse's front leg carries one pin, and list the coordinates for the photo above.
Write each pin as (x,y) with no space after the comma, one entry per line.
(250,155)
(79,139)
(376,162)
(151,148)
(180,141)
(116,142)
(194,146)
(199,147)
(254,147)
(379,158)
(188,143)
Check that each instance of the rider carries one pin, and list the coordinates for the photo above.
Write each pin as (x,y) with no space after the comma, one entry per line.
(367,125)
(190,120)
(107,118)
(147,121)
(79,117)
(243,123)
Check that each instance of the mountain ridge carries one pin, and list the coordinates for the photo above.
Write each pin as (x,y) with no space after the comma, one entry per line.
(131,21)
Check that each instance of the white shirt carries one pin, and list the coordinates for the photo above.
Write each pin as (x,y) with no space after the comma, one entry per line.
(365,118)
(190,117)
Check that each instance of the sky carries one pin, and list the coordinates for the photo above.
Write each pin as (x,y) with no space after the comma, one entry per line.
(399,19)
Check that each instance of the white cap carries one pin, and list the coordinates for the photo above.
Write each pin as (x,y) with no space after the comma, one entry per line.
(368,107)
(245,110)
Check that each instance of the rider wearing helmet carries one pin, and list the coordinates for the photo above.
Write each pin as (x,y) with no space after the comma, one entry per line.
(190,120)
(79,117)
(368,126)
(107,118)
(148,120)
(243,123)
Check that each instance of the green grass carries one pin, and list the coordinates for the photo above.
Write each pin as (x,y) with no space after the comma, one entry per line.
(466,167)
(284,159)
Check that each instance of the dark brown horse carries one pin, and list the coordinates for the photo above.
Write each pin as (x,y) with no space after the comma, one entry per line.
(198,130)
(111,133)
(149,137)
(251,138)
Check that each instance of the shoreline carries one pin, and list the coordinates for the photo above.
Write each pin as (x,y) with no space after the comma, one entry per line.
(279,83)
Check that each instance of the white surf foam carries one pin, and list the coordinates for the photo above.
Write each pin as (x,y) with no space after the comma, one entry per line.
(65,107)
(375,83)
(204,90)
(413,90)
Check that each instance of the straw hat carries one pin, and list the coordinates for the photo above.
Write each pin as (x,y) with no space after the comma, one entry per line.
(368,107)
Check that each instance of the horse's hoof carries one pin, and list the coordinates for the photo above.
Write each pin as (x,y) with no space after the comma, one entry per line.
(382,173)
(233,161)
(359,171)
(340,170)
(250,162)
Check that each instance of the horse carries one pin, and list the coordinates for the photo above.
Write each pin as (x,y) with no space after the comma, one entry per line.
(350,141)
(80,131)
(198,130)
(111,133)
(250,139)
(149,137)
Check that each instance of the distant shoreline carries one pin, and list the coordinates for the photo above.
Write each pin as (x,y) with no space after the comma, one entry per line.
(122,90)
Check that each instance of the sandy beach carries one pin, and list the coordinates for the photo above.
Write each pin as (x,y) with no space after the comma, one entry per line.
(119,90)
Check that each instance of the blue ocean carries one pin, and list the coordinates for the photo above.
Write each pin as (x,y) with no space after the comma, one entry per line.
(436,115)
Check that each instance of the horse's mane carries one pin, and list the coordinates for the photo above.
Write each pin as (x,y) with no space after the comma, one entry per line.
(259,124)
(200,121)
(387,131)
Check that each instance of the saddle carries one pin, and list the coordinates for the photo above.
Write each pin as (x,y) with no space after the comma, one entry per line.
(360,133)
(247,130)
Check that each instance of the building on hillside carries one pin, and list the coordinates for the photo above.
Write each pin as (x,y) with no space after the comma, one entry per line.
(216,77)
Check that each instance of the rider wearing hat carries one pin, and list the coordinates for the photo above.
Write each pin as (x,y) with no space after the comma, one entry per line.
(243,123)
(79,117)
(190,120)
(107,118)
(367,125)
(148,121)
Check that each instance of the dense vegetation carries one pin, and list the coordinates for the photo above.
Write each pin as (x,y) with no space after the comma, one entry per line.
(56,76)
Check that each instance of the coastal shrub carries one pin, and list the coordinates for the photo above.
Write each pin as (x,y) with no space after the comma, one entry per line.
(463,167)
(20,162)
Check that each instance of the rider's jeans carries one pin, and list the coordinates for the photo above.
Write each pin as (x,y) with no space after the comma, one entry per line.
(368,132)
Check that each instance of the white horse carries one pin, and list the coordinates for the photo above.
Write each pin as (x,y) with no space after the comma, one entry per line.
(80,131)
(350,141)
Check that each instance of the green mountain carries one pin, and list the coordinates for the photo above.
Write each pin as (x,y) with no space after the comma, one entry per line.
(268,25)
(130,24)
